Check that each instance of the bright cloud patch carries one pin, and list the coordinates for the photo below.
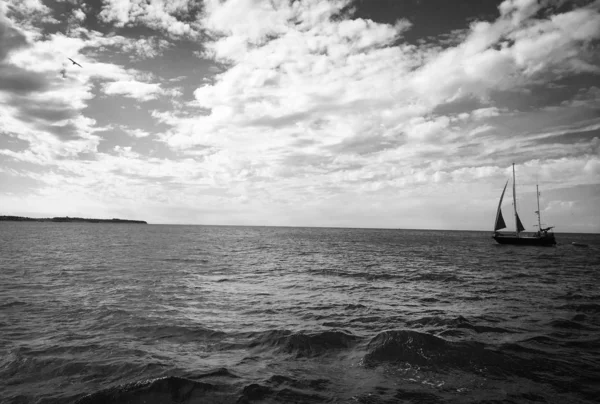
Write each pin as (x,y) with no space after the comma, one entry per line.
(155,13)
(134,89)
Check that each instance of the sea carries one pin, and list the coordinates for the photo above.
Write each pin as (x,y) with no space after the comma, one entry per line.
(129,313)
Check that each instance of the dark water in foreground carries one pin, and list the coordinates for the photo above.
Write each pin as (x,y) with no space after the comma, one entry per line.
(102,313)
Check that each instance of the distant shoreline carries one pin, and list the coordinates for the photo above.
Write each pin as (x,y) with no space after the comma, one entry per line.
(67,219)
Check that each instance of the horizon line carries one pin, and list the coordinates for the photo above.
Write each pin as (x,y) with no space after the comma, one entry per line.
(290,226)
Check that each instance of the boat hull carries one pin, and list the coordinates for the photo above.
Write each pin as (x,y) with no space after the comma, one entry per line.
(541,240)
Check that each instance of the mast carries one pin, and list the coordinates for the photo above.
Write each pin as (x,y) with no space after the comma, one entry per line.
(537,191)
(515,203)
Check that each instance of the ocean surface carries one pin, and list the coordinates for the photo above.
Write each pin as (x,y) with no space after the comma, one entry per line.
(122,313)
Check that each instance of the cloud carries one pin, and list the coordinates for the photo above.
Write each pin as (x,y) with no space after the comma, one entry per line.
(79,14)
(351,88)
(20,81)
(146,48)
(175,16)
(28,6)
(31,13)
(15,79)
(43,96)
(296,62)
(133,89)
(10,38)
(585,97)
(137,133)
(512,52)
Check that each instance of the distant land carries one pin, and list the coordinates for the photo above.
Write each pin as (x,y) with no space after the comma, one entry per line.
(67,219)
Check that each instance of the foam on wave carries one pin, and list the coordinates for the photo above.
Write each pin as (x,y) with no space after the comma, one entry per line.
(426,350)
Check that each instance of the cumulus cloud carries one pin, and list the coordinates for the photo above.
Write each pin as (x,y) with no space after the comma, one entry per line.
(79,14)
(135,132)
(15,79)
(43,96)
(28,8)
(134,89)
(512,52)
(291,63)
(31,13)
(170,16)
(145,48)
(297,77)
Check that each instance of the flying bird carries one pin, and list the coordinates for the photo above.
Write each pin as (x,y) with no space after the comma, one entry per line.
(75,63)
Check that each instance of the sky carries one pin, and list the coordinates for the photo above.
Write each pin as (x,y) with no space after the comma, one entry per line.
(333,113)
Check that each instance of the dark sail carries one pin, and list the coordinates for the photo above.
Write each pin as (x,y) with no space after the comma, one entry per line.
(519,224)
(499,224)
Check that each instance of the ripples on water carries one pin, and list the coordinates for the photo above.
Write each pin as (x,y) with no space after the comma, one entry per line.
(110,313)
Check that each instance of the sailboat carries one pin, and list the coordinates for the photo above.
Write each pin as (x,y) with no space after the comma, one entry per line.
(542,237)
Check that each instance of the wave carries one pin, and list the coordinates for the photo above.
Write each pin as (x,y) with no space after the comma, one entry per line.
(568,324)
(189,260)
(39,368)
(283,389)
(436,322)
(11,361)
(588,344)
(577,296)
(176,389)
(365,320)
(220,372)
(349,273)
(436,277)
(426,350)
(302,345)
(21,361)
(543,339)
(518,348)
(157,391)
(14,303)
(176,332)
(355,306)
(584,307)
